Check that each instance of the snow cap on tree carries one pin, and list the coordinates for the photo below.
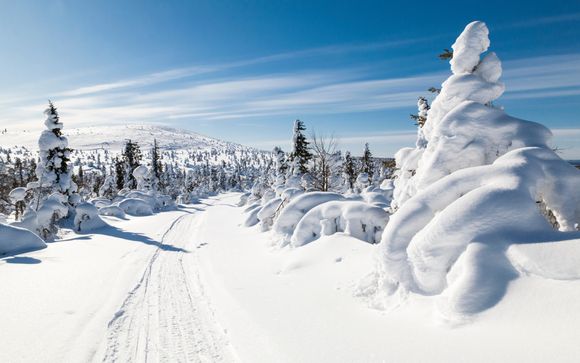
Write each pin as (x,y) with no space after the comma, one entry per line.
(473,41)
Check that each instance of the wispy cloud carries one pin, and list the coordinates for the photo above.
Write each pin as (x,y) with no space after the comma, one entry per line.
(176,94)
(539,21)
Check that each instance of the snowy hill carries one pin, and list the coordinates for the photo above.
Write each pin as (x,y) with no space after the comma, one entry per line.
(114,137)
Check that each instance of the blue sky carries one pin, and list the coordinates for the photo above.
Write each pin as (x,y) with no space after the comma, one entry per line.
(244,70)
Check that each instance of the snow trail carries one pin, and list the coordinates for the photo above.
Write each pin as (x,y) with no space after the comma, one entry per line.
(167,317)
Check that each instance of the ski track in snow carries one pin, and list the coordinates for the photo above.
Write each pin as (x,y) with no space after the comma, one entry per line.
(167,317)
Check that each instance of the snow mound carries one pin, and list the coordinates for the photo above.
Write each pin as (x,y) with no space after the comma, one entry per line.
(354,218)
(18,194)
(297,208)
(136,207)
(112,211)
(15,240)
(267,213)
(87,218)
(558,260)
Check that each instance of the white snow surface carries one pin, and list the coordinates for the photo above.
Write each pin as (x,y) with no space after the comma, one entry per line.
(195,285)
(15,240)
(114,137)
(357,219)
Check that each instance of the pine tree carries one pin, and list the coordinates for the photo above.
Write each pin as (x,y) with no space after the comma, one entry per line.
(367,162)
(349,170)
(132,158)
(156,167)
(53,170)
(301,154)
(119,173)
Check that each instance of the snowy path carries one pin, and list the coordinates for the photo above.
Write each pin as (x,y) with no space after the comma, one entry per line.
(167,317)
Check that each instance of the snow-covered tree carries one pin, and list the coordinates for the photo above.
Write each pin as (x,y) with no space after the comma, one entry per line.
(324,149)
(156,167)
(367,162)
(132,159)
(349,170)
(53,171)
(485,183)
(301,155)
(421,116)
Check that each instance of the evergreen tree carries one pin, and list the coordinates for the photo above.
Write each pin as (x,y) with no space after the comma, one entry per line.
(119,173)
(301,154)
(53,171)
(156,167)
(349,170)
(367,162)
(132,159)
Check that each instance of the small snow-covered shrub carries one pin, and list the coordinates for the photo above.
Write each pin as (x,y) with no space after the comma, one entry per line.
(297,208)
(100,202)
(112,211)
(15,240)
(377,197)
(44,221)
(18,194)
(252,218)
(267,212)
(243,199)
(136,207)
(357,219)
(87,218)
(137,194)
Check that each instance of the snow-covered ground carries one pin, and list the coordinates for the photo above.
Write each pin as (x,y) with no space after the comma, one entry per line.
(196,285)
(114,137)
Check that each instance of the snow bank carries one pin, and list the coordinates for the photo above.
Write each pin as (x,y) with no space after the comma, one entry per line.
(297,208)
(16,240)
(87,218)
(267,213)
(136,207)
(113,211)
(357,219)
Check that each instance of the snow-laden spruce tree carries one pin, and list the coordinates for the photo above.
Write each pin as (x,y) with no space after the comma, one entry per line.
(485,184)
(301,154)
(53,170)
(280,166)
(55,192)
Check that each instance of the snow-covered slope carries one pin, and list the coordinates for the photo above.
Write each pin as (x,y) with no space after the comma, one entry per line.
(114,138)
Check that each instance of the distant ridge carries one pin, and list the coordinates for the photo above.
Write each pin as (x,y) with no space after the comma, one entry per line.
(114,137)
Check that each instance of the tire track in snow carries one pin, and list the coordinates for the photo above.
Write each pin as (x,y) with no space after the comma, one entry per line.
(167,317)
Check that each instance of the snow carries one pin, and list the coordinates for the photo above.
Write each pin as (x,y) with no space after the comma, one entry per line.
(87,218)
(112,210)
(135,207)
(18,194)
(484,182)
(469,45)
(297,208)
(357,219)
(16,240)
(195,285)
(114,137)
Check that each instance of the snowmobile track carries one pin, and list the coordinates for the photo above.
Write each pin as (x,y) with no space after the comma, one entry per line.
(167,317)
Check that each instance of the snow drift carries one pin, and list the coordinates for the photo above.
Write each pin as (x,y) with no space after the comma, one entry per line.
(354,218)
(15,240)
